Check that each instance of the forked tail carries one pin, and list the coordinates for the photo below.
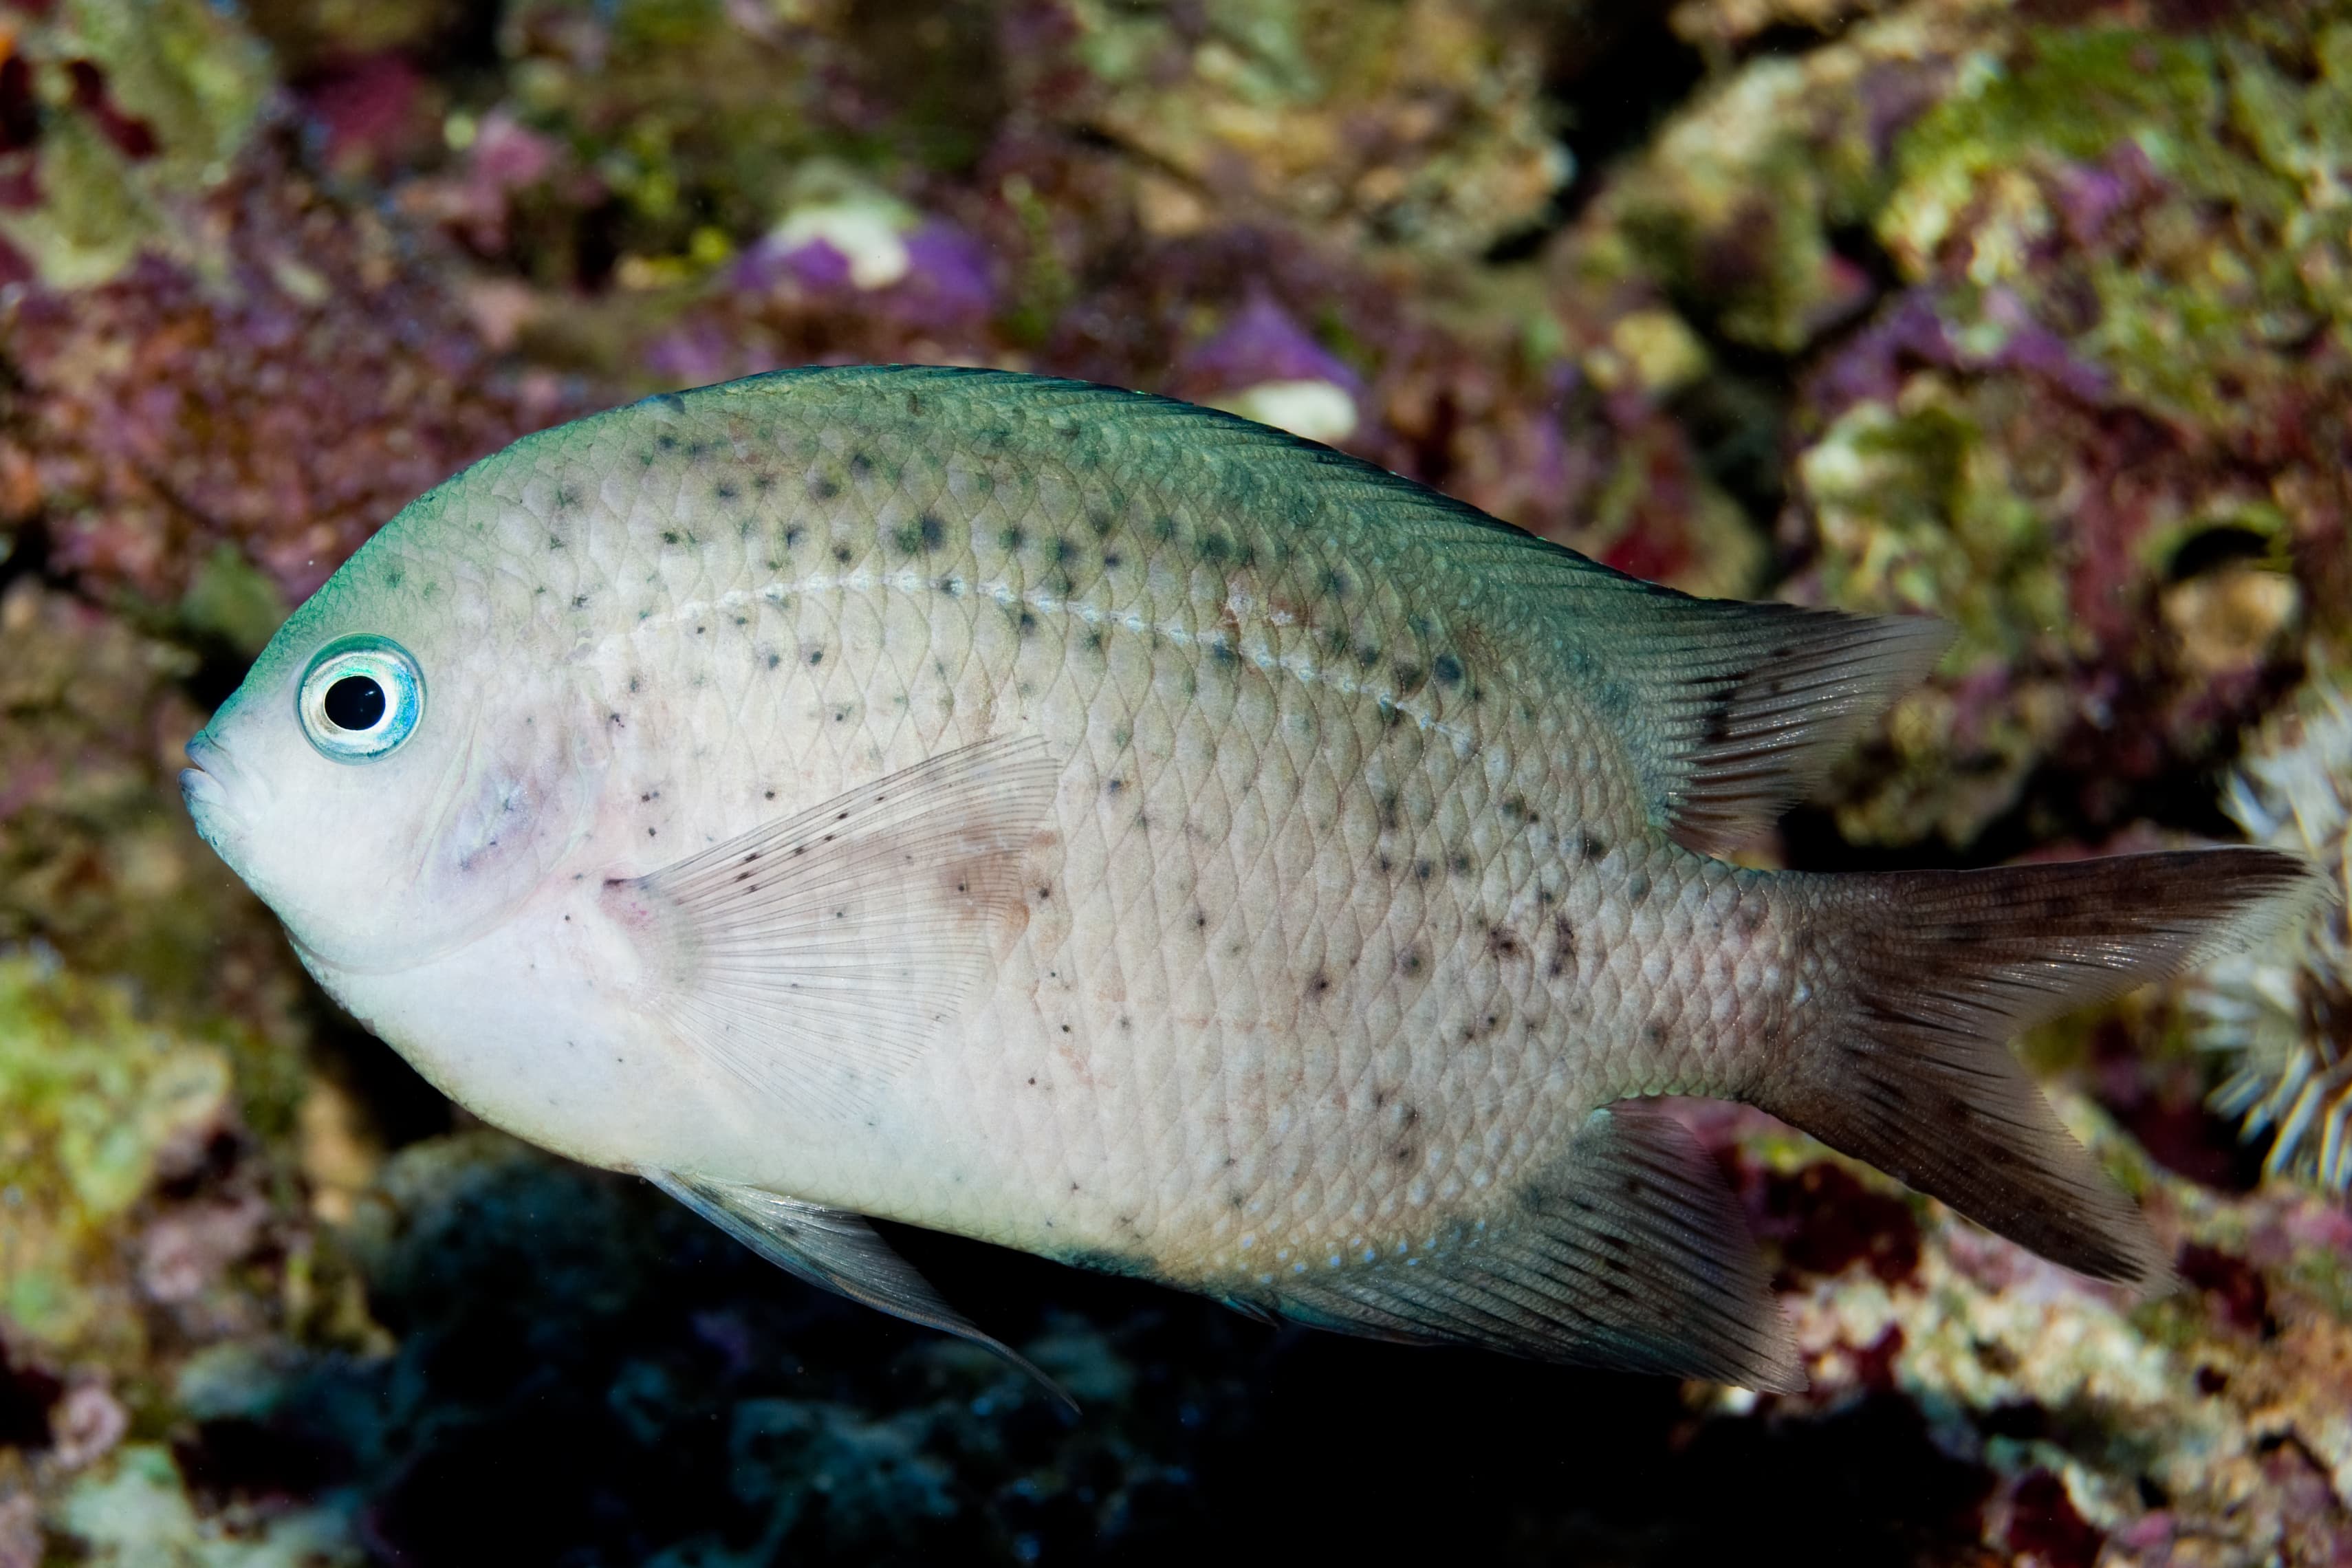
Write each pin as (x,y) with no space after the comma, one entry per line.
(1916,981)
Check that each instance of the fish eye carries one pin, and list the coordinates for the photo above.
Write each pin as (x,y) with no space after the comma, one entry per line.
(360,698)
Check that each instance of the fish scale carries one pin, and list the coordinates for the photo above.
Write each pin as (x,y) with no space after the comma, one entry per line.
(1120,831)
(1231,712)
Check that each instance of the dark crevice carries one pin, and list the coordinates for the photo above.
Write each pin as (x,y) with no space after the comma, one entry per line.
(1615,74)
(1788,39)
(401,1106)
(26,1393)
(2048,810)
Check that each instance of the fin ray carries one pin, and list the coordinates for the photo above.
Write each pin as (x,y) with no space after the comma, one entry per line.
(834,1251)
(1905,1062)
(814,955)
(1631,1254)
(1745,707)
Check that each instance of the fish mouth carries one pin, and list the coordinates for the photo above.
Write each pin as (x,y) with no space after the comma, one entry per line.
(203,792)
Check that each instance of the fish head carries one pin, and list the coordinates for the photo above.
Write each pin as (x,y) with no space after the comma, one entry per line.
(402,768)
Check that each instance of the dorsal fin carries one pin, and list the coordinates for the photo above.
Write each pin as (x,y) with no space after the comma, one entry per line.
(1730,712)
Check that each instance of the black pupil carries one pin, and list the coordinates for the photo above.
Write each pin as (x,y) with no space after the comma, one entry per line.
(355,702)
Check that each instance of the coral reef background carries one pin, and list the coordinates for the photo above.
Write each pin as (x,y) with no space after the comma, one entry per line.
(2034,314)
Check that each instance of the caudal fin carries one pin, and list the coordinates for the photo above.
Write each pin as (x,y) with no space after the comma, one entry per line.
(1920,978)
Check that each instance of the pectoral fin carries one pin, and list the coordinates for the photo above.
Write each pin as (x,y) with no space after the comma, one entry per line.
(812,956)
(836,1251)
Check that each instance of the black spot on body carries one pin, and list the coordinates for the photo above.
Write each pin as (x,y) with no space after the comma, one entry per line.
(1446,669)
(925,533)
(1590,846)
(1563,951)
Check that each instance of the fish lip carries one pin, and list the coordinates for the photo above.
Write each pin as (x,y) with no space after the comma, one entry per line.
(205,790)
(206,753)
(207,801)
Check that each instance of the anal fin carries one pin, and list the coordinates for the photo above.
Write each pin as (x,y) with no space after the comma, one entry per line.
(1631,1253)
(835,1251)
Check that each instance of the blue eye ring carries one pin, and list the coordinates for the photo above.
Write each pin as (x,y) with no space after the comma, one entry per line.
(360,698)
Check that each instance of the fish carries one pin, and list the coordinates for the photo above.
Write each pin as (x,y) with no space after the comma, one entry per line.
(1110,828)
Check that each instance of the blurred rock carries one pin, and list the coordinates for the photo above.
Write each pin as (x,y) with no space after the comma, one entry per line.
(2030,316)
(2208,1424)
(113,115)
(2068,374)
(1409,122)
(285,402)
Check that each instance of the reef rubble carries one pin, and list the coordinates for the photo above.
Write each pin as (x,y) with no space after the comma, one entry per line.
(2032,315)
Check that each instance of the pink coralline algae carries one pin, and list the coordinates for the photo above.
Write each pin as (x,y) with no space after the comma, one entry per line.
(286,406)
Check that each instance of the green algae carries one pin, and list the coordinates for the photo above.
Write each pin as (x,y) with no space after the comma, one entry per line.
(1413,127)
(2244,256)
(231,599)
(184,86)
(1738,253)
(135,1511)
(99,1102)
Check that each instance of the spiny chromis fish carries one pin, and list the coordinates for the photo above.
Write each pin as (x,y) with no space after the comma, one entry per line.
(1111,828)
